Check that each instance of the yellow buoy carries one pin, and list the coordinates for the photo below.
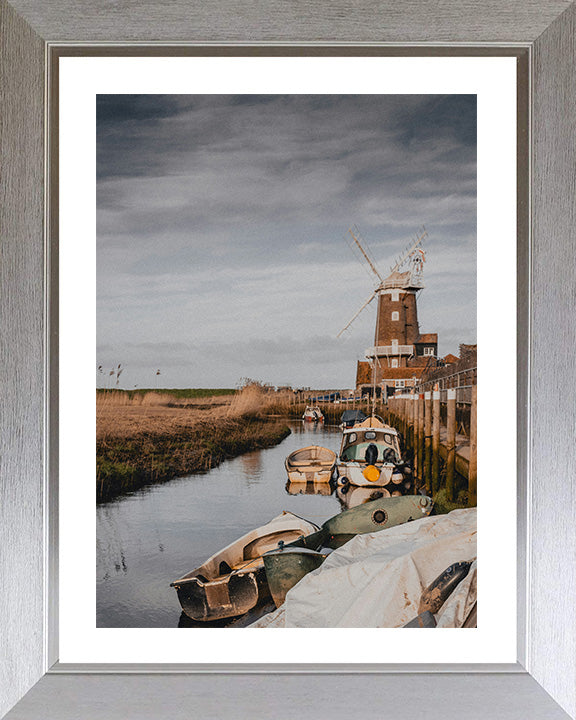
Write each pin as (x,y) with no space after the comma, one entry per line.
(371,473)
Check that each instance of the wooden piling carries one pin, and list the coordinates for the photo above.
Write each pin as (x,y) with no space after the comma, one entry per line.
(421,436)
(410,439)
(435,441)
(472,466)
(428,440)
(404,417)
(450,443)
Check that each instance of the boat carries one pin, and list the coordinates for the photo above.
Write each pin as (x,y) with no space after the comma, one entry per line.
(313,414)
(379,514)
(286,566)
(349,418)
(310,464)
(288,563)
(436,594)
(233,581)
(370,456)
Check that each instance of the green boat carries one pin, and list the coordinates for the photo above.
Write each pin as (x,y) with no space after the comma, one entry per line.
(287,564)
(384,512)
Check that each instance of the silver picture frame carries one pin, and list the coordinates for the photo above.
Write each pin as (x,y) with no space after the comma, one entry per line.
(542,684)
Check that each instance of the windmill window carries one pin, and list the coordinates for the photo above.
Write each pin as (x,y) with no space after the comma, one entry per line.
(395,315)
(395,362)
(395,295)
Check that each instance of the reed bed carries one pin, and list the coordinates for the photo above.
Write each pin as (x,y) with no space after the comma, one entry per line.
(153,437)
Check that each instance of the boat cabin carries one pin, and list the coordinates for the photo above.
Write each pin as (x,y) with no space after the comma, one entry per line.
(372,445)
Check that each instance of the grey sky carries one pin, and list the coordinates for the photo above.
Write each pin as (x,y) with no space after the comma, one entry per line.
(222,223)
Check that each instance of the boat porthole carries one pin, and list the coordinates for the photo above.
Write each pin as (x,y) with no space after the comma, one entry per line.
(379,517)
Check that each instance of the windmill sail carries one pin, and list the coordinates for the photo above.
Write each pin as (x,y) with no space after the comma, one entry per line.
(358,313)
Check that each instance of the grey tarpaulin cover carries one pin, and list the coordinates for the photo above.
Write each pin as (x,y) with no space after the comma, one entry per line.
(376,580)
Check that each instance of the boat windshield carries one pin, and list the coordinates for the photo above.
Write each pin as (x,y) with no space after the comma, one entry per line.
(354,445)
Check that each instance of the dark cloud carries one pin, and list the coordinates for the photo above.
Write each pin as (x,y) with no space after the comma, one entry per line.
(221,216)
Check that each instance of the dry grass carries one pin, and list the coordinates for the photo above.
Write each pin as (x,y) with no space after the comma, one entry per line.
(120,416)
(153,437)
(254,400)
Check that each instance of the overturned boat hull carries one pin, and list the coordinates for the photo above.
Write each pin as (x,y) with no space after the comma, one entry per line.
(374,515)
(286,565)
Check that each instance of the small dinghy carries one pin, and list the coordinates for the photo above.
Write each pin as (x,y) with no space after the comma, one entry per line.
(233,581)
(287,564)
(310,464)
(313,414)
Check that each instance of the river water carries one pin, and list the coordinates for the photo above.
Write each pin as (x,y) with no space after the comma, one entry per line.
(157,534)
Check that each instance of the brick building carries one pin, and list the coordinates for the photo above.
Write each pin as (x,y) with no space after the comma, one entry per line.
(401,353)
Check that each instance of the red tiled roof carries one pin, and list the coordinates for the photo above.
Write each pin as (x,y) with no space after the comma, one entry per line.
(363,373)
(428,338)
(401,373)
(451,359)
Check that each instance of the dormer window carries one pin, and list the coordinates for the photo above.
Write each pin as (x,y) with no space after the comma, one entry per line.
(428,351)
(395,315)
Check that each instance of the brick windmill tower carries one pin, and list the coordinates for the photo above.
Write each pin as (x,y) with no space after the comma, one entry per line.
(400,352)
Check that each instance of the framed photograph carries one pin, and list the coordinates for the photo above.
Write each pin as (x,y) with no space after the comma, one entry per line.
(283,150)
(82,96)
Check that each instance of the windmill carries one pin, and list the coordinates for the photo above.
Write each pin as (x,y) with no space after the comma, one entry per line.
(398,344)
(413,254)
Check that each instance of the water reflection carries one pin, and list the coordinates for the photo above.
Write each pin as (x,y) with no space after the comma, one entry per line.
(313,428)
(252,466)
(309,488)
(147,539)
(351,496)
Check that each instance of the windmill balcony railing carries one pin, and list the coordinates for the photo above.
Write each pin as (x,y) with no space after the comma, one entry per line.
(384,350)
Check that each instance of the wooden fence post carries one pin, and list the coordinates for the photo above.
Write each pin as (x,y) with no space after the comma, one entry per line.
(450,443)
(428,440)
(472,466)
(435,441)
